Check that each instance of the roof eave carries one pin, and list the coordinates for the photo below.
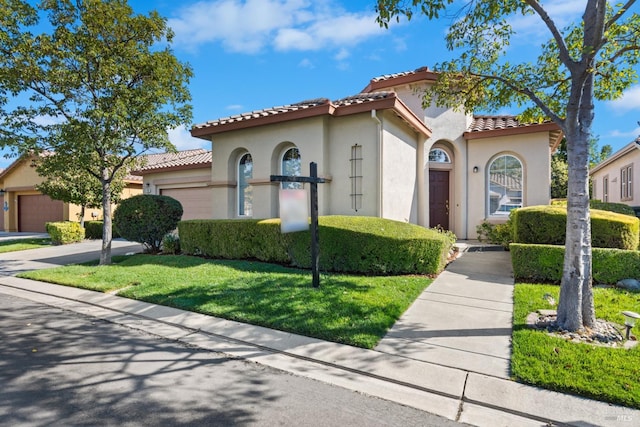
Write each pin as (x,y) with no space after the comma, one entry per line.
(520,130)
(425,75)
(633,145)
(204,131)
(171,168)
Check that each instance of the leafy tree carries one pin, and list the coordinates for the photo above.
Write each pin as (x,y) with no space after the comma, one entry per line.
(73,184)
(98,89)
(559,177)
(593,58)
(560,168)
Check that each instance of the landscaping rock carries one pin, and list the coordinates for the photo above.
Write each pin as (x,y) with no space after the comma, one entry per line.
(629,284)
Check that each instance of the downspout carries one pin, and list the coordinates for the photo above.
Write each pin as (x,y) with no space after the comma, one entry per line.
(374,116)
(466,191)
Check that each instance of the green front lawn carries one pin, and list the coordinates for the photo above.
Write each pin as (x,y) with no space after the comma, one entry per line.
(608,374)
(23,244)
(355,310)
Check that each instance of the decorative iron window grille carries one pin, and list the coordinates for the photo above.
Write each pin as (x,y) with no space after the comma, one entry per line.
(356,177)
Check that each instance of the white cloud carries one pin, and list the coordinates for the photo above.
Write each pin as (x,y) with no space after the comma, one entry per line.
(249,26)
(621,134)
(630,100)
(48,120)
(182,139)
(306,63)
(335,30)
(342,55)
(532,29)
(234,107)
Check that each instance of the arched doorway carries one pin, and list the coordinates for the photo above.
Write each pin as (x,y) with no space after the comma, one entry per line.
(440,167)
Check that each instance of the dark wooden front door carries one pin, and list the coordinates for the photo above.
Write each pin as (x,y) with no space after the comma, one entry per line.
(439,198)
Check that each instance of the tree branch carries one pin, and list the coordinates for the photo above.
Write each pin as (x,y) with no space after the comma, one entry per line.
(565,56)
(619,14)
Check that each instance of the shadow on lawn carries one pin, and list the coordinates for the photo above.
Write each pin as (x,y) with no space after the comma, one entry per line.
(354,310)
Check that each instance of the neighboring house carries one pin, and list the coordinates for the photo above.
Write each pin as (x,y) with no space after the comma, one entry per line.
(382,154)
(613,179)
(26,209)
(185,176)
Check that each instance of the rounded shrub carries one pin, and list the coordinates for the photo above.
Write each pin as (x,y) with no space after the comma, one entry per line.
(547,225)
(65,232)
(147,218)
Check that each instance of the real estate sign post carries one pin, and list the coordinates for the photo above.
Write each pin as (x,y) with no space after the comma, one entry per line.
(313,180)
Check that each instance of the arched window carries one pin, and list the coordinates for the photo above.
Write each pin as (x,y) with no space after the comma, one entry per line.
(505,185)
(438,155)
(291,166)
(245,190)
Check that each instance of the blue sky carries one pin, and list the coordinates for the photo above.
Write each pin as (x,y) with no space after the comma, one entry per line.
(254,54)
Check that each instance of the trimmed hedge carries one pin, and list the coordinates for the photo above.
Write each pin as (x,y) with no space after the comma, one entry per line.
(602,206)
(65,232)
(544,263)
(347,244)
(93,230)
(547,225)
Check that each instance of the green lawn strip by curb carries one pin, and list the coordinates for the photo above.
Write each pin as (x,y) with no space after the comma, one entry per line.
(23,244)
(349,309)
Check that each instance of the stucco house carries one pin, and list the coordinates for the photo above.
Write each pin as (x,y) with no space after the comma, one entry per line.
(185,176)
(613,179)
(382,154)
(26,209)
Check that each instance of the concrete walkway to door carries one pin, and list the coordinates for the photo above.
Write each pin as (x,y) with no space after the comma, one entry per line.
(463,319)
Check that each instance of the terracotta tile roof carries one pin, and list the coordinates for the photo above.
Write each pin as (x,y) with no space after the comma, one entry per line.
(490,126)
(484,123)
(314,107)
(397,79)
(303,105)
(187,159)
(401,74)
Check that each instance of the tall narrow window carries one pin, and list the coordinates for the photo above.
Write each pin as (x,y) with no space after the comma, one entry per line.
(245,190)
(626,183)
(356,177)
(504,185)
(605,189)
(291,166)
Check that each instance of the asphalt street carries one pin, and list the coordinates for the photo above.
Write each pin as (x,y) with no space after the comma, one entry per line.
(60,368)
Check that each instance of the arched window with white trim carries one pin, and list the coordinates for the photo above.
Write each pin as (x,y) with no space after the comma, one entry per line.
(505,185)
(291,165)
(245,190)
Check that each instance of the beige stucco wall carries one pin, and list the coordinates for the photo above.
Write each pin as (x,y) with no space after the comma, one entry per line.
(189,178)
(328,142)
(266,144)
(531,149)
(613,172)
(21,180)
(399,176)
(448,127)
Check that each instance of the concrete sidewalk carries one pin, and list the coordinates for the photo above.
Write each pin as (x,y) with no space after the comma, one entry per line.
(434,359)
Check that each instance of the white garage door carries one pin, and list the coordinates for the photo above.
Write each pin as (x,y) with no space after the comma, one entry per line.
(197,203)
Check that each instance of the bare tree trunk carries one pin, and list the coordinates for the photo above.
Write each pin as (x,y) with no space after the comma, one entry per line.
(82,209)
(105,253)
(576,274)
(575,308)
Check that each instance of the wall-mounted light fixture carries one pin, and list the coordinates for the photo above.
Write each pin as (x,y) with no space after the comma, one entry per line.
(476,169)
(148,185)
